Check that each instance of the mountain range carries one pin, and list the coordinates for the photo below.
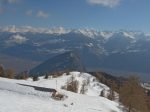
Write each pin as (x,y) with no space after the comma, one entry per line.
(123,51)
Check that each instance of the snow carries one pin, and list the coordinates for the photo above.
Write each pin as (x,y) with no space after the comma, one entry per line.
(12,102)
(128,34)
(133,36)
(106,35)
(19,98)
(18,39)
(146,85)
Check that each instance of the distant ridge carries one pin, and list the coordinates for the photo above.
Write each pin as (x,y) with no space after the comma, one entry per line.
(63,62)
(119,52)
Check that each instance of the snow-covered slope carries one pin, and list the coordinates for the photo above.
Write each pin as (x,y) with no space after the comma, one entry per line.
(18,98)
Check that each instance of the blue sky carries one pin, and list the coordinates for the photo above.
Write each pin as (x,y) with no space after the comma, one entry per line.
(97,14)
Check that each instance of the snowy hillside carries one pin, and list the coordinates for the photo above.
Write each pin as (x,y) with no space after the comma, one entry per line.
(18,96)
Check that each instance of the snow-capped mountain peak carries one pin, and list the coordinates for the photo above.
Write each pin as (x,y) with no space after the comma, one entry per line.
(92,33)
(129,35)
(88,32)
(57,30)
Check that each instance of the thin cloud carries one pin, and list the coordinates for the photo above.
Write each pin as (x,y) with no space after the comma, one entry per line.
(106,3)
(42,14)
(2,2)
(29,12)
(12,1)
(39,14)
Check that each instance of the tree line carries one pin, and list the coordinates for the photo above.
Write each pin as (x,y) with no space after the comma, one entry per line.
(8,73)
(132,95)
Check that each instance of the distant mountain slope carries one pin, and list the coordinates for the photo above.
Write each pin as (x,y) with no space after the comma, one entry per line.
(17,64)
(126,51)
(66,61)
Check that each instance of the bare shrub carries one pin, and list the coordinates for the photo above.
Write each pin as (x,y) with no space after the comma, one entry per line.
(58,96)
(83,88)
(9,73)
(111,96)
(46,76)
(73,86)
(102,94)
(65,105)
(57,74)
(35,78)
(64,87)
(133,96)
(2,71)
(23,75)
(88,81)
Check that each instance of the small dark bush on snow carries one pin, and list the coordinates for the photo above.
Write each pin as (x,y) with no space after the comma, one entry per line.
(35,78)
